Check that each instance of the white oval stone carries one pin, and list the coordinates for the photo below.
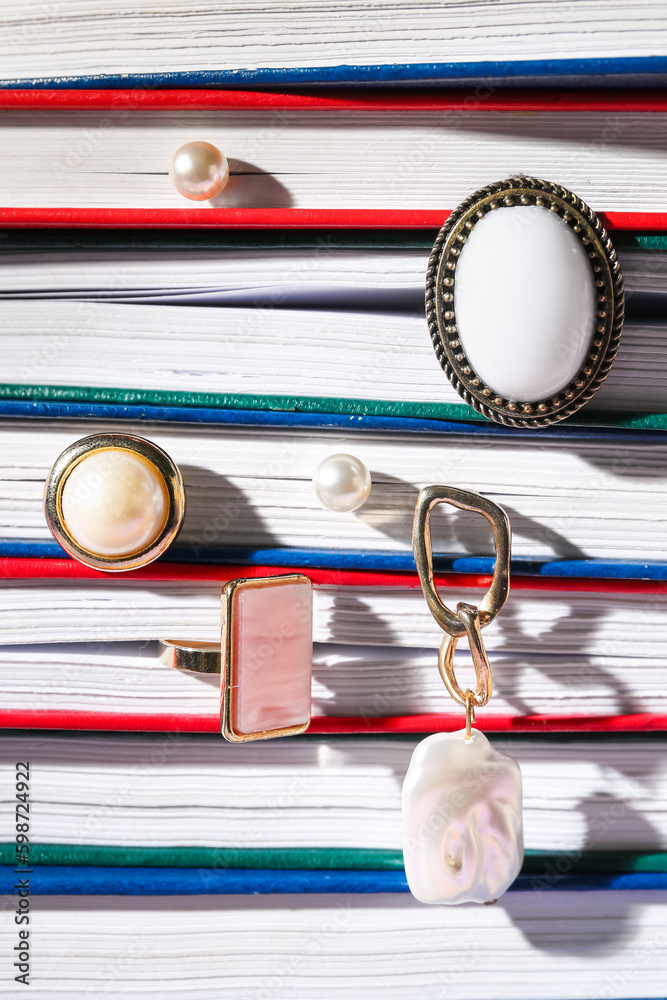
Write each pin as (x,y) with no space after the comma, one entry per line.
(114,502)
(462,820)
(525,302)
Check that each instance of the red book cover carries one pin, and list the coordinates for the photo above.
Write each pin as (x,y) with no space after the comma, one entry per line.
(613,102)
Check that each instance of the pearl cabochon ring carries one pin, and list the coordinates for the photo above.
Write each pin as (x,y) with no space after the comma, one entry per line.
(114,501)
(342,483)
(199,171)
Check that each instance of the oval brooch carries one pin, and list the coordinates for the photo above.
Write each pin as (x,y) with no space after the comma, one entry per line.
(524,301)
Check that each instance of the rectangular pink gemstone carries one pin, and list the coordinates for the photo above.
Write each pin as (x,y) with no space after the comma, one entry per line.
(271,655)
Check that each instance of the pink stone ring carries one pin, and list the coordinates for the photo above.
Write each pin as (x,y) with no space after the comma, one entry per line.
(264,658)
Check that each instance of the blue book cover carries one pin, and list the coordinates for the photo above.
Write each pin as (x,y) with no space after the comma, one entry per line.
(598,71)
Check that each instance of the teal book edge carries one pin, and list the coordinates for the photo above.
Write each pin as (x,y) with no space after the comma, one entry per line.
(315,859)
(302,404)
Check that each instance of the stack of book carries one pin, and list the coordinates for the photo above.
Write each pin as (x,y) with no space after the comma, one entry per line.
(250,339)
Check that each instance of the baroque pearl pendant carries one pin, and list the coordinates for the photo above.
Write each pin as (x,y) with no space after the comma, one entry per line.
(199,171)
(114,501)
(342,483)
(524,301)
(462,820)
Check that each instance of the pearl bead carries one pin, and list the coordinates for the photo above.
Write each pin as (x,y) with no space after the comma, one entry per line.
(342,483)
(114,502)
(199,171)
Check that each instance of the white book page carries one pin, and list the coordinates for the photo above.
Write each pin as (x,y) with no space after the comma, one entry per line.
(273,275)
(73,39)
(548,944)
(430,160)
(532,622)
(567,498)
(172,790)
(270,350)
(365,681)
(269,278)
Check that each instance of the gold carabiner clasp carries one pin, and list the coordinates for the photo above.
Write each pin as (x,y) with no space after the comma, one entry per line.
(467,620)
(497,593)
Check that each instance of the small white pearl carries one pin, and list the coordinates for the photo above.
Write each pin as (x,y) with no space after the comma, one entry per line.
(114,503)
(342,483)
(199,171)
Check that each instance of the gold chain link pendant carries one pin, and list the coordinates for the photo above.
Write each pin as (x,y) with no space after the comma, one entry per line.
(462,798)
